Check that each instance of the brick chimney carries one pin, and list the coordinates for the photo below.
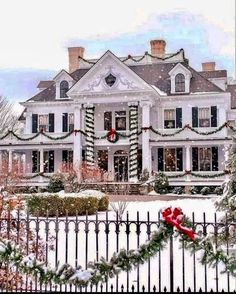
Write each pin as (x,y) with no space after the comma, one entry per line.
(208,66)
(74,53)
(158,48)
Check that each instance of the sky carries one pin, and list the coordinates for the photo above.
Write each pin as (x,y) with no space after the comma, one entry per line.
(35,34)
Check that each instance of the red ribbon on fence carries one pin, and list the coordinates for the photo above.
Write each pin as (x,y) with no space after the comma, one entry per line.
(174,217)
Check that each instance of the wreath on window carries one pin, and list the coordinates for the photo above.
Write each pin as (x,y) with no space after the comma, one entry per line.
(112,136)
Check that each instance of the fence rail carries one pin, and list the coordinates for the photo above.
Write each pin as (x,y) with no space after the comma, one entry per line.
(80,239)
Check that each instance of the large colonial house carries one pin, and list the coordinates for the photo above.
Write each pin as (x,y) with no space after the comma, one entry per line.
(151,112)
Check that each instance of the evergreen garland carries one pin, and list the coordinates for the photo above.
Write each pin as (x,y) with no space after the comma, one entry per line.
(100,271)
(89,130)
(133,153)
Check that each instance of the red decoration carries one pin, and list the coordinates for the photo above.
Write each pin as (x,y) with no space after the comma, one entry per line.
(174,217)
(112,134)
(76,131)
(188,172)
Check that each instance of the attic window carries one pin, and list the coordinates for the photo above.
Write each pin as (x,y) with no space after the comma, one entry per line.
(64,87)
(110,80)
(179,83)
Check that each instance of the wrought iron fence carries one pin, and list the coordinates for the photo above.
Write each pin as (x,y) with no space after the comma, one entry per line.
(80,239)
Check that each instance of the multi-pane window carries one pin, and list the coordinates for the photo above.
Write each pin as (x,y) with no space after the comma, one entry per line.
(48,159)
(43,122)
(205,159)
(64,88)
(179,83)
(120,120)
(71,121)
(169,118)
(170,159)
(107,120)
(204,117)
(103,159)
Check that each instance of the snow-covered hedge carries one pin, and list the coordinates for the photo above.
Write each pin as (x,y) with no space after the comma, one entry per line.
(70,204)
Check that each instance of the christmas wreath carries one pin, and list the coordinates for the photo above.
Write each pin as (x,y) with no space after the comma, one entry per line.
(112,136)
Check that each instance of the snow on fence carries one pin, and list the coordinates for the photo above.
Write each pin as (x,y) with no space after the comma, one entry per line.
(79,240)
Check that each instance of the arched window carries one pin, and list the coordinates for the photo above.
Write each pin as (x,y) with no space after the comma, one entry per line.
(179,83)
(64,87)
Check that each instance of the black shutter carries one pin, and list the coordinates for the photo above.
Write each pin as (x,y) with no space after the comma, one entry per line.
(160,159)
(195,158)
(34,123)
(213,116)
(178,117)
(214,152)
(64,156)
(35,161)
(179,159)
(83,154)
(195,117)
(51,161)
(51,122)
(65,122)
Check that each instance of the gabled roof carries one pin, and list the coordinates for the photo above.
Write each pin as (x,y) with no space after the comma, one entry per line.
(44,84)
(214,74)
(156,74)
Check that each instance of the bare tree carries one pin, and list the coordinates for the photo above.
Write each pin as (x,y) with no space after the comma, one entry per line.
(9,119)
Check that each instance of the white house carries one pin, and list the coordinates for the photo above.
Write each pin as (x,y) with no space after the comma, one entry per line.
(127,114)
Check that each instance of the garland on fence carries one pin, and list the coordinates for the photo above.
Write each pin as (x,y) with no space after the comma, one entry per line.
(91,135)
(173,221)
(133,152)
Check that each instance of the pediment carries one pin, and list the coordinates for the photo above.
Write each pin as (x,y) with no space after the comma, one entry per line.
(179,68)
(109,75)
(63,75)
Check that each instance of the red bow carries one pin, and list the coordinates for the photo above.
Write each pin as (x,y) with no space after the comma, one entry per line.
(76,131)
(174,217)
(111,134)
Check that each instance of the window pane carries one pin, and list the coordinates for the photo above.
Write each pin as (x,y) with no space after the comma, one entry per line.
(204,117)
(43,122)
(205,159)
(71,121)
(169,118)
(107,120)
(64,87)
(103,159)
(179,83)
(170,160)
(120,117)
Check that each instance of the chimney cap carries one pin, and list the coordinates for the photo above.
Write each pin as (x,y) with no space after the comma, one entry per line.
(156,41)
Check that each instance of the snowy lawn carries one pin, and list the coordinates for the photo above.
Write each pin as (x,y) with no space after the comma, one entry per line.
(84,246)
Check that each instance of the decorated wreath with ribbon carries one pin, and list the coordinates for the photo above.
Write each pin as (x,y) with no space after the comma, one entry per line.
(112,136)
(173,221)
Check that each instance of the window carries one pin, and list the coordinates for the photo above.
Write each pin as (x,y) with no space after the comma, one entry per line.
(67,122)
(120,120)
(43,122)
(48,159)
(107,120)
(35,161)
(110,80)
(103,159)
(169,118)
(179,83)
(205,159)
(64,87)
(204,117)
(71,121)
(170,159)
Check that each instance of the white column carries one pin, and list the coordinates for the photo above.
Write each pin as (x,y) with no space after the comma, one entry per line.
(187,160)
(146,122)
(77,150)
(1,161)
(9,160)
(41,168)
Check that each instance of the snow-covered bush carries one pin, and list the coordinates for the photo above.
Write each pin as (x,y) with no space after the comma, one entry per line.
(218,190)
(205,190)
(56,183)
(66,204)
(178,190)
(161,183)
(145,175)
(193,190)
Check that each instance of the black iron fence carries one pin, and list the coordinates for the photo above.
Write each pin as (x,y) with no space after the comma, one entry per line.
(78,240)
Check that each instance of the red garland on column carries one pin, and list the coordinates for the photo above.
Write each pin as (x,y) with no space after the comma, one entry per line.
(174,217)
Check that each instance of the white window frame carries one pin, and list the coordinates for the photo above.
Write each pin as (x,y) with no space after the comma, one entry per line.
(209,112)
(199,165)
(166,109)
(47,126)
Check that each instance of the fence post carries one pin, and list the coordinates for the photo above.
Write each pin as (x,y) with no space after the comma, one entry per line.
(171,265)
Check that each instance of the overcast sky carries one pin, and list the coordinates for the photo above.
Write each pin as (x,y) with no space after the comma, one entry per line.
(35,34)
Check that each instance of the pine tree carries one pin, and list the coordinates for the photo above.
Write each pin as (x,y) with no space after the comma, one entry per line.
(227,202)
(161,183)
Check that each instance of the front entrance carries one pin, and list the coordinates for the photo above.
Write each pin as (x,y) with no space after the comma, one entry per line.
(121,166)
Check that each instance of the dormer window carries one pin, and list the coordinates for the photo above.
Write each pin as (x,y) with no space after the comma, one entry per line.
(64,88)
(179,83)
